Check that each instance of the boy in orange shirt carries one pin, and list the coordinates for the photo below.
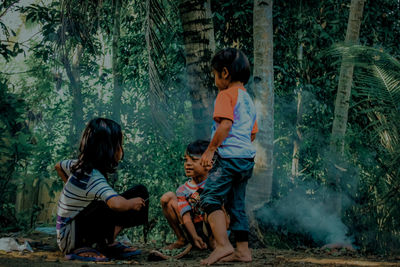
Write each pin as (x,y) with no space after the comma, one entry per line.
(234,129)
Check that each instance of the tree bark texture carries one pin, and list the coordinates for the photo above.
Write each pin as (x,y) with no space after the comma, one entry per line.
(298,137)
(116,102)
(100,88)
(260,185)
(342,103)
(73,73)
(198,32)
(346,80)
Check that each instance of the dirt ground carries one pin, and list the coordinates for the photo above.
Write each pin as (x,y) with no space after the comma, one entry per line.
(46,254)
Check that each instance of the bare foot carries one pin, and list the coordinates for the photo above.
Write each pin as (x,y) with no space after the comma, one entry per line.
(217,254)
(242,256)
(177,244)
(212,243)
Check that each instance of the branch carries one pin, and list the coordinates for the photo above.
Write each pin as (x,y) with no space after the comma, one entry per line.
(8,73)
(30,38)
(21,44)
(5,11)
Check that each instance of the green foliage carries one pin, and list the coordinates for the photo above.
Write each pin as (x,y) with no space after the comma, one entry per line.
(317,26)
(153,156)
(15,146)
(377,89)
(33,139)
(8,48)
(232,25)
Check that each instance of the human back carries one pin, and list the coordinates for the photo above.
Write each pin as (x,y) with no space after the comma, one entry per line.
(236,104)
(87,176)
(75,197)
(90,212)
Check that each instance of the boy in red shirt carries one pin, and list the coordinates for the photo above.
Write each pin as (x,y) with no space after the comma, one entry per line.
(182,210)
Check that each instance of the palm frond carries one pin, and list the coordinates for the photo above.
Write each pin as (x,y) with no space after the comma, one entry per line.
(390,82)
(377,83)
(155,21)
(377,74)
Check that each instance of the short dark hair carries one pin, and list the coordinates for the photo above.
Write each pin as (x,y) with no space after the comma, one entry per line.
(197,147)
(235,61)
(100,141)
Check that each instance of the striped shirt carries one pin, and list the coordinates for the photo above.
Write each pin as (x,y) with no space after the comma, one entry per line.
(236,105)
(77,195)
(188,196)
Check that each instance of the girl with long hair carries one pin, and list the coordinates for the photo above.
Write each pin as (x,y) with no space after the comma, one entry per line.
(90,212)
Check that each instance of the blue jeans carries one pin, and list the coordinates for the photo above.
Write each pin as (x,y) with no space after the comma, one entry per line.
(226,184)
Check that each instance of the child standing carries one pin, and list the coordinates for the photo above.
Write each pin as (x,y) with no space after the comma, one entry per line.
(182,209)
(90,213)
(233,131)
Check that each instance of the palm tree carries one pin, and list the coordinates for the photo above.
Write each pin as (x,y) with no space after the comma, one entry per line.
(260,185)
(377,82)
(198,32)
(342,100)
(155,18)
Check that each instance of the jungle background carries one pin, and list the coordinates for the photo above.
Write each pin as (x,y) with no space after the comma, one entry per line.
(146,64)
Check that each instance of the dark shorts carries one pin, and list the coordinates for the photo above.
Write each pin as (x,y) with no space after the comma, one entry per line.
(226,184)
(96,223)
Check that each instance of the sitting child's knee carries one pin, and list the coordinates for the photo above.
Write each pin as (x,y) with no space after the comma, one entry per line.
(166,198)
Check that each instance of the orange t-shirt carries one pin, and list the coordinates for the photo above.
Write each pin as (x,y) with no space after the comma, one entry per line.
(236,105)
(225,105)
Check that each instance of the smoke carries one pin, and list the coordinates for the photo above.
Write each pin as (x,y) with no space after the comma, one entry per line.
(305,211)
(302,207)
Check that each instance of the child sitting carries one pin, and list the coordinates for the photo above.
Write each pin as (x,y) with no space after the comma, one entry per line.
(182,210)
(90,213)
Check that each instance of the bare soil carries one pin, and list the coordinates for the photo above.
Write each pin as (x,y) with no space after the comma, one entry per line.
(46,254)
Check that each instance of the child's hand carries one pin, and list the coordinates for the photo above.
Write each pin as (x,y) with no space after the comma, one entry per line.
(137,203)
(198,242)
(206,159)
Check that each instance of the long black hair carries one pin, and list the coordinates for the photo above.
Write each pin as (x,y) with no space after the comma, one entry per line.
(100,141)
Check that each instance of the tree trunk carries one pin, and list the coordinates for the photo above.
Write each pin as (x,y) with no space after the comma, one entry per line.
(73,73)
(198,32)
(298,137)
(100,88)
(260,185)
(299,116)
(116,103)
(342,100)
